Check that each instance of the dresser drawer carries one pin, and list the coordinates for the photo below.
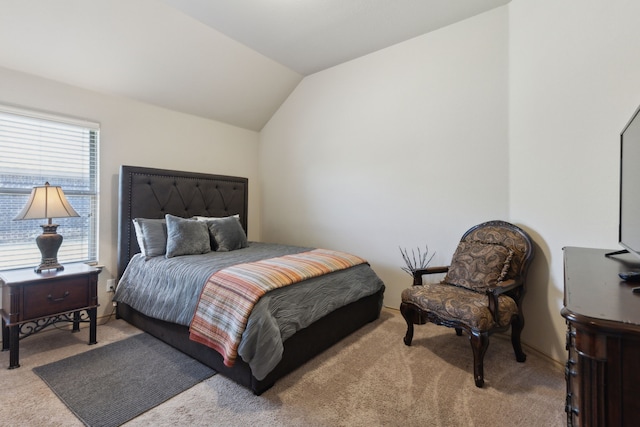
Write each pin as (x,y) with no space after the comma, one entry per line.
(45,299)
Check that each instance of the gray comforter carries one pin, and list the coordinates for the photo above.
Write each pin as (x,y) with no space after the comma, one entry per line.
(169,289)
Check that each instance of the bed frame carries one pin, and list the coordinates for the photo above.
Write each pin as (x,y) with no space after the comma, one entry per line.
(152,193)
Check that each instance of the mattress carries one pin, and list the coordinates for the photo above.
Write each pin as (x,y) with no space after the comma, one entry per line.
(169,288)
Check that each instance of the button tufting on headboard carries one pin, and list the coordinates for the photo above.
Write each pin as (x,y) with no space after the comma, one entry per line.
(153,193)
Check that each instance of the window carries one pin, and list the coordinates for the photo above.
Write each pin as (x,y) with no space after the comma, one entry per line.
(36,148)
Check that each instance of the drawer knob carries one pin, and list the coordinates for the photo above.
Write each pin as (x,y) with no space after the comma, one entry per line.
(52,299)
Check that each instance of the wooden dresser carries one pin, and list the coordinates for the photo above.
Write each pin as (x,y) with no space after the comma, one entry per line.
(603,339)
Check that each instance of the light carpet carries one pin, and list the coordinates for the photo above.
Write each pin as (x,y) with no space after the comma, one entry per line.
(368,379)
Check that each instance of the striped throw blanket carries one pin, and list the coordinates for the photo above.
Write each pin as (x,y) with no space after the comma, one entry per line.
(230,294)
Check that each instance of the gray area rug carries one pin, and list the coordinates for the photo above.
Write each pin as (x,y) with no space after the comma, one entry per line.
(110,385)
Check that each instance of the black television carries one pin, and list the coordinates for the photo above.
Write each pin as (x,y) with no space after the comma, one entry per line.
(629,219)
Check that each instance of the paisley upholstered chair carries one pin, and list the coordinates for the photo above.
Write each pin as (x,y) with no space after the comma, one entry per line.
(481,292)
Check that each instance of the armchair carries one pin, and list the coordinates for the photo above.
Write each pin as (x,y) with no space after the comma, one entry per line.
(481,292)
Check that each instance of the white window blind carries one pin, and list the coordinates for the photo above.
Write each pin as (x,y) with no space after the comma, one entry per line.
(36,148)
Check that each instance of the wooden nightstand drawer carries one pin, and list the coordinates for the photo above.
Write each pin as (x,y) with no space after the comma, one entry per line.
(55,297)
(33,301)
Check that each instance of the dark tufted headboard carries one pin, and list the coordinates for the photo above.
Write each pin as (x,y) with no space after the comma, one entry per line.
(152,193)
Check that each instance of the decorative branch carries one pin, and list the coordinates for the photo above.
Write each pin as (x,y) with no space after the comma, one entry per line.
(416,261)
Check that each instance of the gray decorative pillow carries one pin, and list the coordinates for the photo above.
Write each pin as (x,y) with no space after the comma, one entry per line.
(151,235)
(228,233)
(479,265)
(186,237)
(209,220)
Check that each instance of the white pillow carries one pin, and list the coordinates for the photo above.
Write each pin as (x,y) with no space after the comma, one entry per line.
(208,218)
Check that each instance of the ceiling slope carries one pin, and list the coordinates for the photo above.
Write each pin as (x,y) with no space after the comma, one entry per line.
(233,61)
(147,51)
(311,35)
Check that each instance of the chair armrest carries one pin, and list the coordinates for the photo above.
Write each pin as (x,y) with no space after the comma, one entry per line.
(496,291)
(417,274)
(505,286)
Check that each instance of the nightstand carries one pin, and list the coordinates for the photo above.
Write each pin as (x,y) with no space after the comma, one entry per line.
(32,301)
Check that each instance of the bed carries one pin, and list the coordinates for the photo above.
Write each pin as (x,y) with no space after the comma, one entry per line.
(151,194)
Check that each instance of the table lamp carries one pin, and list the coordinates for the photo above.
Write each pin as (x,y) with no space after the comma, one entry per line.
(47,201)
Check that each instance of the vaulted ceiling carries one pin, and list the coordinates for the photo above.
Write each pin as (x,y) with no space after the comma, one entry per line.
(234,61)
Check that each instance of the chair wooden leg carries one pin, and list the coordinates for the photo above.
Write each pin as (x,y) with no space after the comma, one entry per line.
(479,343)
(516,328)
(408,314)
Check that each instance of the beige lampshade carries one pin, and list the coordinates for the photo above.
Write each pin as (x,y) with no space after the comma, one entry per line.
(47,201)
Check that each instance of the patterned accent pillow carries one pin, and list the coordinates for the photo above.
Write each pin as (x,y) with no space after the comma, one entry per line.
(479,265)
(186,237)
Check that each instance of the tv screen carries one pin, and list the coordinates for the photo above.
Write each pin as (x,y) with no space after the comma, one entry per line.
(629,225)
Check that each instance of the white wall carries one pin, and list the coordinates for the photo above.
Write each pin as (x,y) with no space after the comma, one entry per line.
(138,134)
(512,114)
(574,83)
(404,147)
